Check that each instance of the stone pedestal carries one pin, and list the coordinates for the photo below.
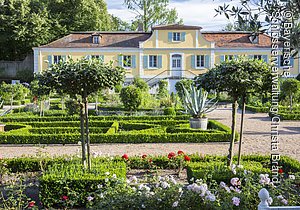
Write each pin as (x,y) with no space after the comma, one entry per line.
(2,127)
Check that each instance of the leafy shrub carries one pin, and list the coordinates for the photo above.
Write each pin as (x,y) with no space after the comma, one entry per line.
(131,97)
(72,107)
(141,84)
(169,111)
(70,185)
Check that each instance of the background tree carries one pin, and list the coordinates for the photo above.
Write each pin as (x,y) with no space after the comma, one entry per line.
(141,84)
(290,87)
(238,78)
(10,92)
(152,12)
(131,97)
(180,84)
(80,79)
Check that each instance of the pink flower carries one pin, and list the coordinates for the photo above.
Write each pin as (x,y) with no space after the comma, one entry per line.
(125,156)
(31,204)
(180,152)
(64,197)
(236,201)
(171,155)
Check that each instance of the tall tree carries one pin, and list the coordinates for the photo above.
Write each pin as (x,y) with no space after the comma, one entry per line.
(80,79)
(152,12)
(238,78)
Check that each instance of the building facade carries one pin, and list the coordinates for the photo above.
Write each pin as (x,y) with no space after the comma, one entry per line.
(169,52)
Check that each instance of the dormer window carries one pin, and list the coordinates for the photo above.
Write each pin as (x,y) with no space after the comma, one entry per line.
(254,38)
(96,39)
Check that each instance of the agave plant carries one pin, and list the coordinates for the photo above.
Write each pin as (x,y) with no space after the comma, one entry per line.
(196,103)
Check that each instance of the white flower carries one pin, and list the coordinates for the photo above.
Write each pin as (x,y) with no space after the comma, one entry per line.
(90,198)
(159,200)
(292,177)
(280,197)
(143,206)
(107,173)
(180,189)
(235,181)
(106,179)
(175,204)
(270,200)
(211,197)
(284,201)
(114,176)
(227,189)
(133,188)
(245,172)
(236,201)
(99,186)
(173,180)
(264,179)
(222,184)
(165,185)
(101,195)
(133,179)
(240,166)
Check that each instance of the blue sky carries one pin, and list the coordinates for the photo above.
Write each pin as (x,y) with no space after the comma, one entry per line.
(193,12)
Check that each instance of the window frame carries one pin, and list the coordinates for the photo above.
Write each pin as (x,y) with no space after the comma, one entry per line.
(56,59)
(176,37)
(96,39)
(124,65)
(201,60)
(155,58)
(258,57)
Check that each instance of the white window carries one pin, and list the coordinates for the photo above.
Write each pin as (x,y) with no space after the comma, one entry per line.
(176,36)
(153,61)
(200,62)
(127,61)
(258,57)
(229,57)
(96,39)
(56,58)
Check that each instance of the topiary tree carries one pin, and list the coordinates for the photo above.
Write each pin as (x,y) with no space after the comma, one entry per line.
(80,79)
(238,78)
(9,92)
(131,97)
(162,89)
(141,84)
(290,87)
(41,90)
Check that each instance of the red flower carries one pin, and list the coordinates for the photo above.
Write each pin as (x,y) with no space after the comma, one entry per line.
(187,158)
(125,156)
(144,156)
(171,155)
(31,204)
(180,152)
(150,160)
(280,171)
(64,197)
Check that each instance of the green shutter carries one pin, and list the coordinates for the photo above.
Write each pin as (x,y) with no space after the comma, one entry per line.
(193,61)
(88,57)
(183,36)
(235,57)
(145,61)
(265,58)
(159,61)
(101,57)
(49,60)
(170,34)
(207,61)
(120,60)
(222,58)
(64,57)
(292,62)
(133,61)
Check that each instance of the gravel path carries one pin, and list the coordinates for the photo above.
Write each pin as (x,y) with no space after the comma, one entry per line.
(256,140)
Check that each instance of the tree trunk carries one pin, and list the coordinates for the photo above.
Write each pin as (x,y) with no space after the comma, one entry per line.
(62,103)
(82,135)
(231,147)
(11,101)
(87,132)
(96,106)
(241,131)
(291,103)
(41,108)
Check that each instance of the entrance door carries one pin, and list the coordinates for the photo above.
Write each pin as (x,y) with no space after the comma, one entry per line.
(176,65)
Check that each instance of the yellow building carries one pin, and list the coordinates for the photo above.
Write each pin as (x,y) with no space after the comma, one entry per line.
(168,52)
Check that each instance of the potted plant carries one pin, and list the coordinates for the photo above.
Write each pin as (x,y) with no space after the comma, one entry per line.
(196,103)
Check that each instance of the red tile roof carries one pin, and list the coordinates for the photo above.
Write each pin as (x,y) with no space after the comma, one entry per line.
(237,40)
(176,27)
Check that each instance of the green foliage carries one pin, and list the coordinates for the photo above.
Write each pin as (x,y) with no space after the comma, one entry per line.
(162,89)
(151,13)
(72,106)
(182,83)
(25,75)
(131,97)
(10,92)
(169,111)
(257,109)
(141,84)
(113,129)
(73,181)
(290,87)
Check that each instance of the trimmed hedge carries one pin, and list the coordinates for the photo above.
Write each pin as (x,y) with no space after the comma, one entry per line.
(288,116)
(257,109)
(73,181)
(113,129)
(66,130)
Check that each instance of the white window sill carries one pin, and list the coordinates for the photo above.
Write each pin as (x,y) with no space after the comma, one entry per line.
(127,68)
(200,68)
(152,68)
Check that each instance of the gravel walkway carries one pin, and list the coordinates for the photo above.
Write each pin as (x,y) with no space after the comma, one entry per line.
(256,140)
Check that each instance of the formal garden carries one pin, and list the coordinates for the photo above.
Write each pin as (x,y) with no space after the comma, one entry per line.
(84,102)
